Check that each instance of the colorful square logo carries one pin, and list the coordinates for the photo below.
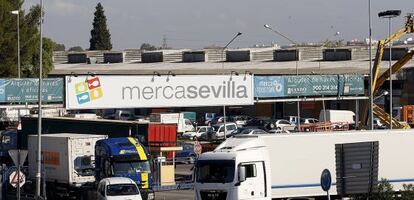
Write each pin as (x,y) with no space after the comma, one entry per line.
(88,90)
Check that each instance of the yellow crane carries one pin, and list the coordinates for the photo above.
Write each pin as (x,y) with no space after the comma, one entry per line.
(379,80)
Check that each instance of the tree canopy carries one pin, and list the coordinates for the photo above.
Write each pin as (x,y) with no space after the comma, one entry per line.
(100,36)
(148,47)
(29,41)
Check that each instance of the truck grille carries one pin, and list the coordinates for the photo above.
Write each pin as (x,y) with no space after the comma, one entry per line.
(213,195)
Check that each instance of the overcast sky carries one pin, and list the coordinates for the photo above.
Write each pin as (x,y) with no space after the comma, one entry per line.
(198,23)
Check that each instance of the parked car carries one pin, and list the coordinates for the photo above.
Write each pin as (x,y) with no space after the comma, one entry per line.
(220,119)
(217,131)
(241,120)
(308,121)
(187,155)
(291,119)
(249,131)
(200,130)
(118,188)
(378,124)
(275,131)
(282,124)
(264,123)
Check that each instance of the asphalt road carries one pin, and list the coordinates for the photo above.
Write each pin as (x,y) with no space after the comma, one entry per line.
(175,194)
(182,171)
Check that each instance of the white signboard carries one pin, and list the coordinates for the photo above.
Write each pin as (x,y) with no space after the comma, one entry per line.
(87,92)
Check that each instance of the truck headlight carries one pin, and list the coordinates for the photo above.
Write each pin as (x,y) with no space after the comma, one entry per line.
(151,196)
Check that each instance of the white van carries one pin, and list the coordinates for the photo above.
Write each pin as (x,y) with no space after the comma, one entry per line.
(218,131)
(118,188)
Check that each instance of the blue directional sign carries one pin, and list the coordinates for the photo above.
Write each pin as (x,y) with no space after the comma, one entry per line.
(326,180)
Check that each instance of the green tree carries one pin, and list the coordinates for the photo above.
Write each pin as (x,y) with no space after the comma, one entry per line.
(385,191)
(29,42)
(76,48)
(148,47)
(59,47)
(100,36)
(408,193)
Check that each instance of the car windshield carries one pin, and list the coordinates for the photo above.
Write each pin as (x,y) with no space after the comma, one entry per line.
(131,167)
(215,171)
(121,190)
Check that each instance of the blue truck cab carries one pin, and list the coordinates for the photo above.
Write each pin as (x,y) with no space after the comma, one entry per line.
(124,157)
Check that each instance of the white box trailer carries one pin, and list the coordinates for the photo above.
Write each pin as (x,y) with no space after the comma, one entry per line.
(289,166)
(183,125)
(68,158)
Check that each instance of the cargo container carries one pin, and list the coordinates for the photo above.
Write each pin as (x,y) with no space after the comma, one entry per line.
(68,160)
(408,114)
(157,134)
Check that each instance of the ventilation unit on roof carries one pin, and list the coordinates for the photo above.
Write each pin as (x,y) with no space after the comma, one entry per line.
(238,55)
(397,53)
(114,57)
(151,57)
(77,57)
(286,55)
(195,56)
(337,54)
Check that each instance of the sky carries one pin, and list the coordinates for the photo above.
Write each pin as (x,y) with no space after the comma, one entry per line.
(195,24)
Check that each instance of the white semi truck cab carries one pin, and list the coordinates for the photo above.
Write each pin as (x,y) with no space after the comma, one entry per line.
(290,165)
(237,169)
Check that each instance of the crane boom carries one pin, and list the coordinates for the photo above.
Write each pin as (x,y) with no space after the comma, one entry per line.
(378,81)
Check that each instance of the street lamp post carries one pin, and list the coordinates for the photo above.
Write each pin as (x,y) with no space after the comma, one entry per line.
(222,66)
(296,66)
(389,14)
(17,12)
(371,95)
(39,116)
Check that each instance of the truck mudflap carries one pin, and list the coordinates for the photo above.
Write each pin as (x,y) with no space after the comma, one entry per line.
(147,194)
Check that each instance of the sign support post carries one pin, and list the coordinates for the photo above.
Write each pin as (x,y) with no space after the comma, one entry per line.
(18,174)
(326,182)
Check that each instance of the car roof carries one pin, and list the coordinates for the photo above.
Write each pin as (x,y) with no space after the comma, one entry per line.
(117,180)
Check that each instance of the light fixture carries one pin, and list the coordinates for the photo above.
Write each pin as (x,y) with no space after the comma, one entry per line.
(155,73)
(247,73)
(92,74)
(231,74)
(73,74)
(168,75)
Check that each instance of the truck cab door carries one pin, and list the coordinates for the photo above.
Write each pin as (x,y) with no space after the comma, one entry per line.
(254,185)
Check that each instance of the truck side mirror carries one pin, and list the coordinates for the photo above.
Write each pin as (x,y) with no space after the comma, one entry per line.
(242,174)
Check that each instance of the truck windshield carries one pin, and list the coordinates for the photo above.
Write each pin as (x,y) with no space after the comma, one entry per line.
(121,189)
(215,171)
(131,167)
